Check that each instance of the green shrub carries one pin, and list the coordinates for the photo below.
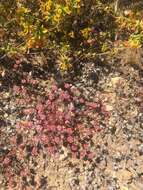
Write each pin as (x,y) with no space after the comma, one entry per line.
(87,26)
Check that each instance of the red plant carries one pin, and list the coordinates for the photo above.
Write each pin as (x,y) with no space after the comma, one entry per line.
(64,118)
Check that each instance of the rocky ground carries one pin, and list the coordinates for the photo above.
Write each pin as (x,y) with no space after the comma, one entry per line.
(118,160)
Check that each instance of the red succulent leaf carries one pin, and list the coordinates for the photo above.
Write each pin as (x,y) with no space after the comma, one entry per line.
(70,139)
(28,111)
(74,148)
(81,100)
(59,127)
(39,107)
(92,105)
(82,154)
(54,88)
(6,161)
(51,149)
(69,130)
(67,86)
(57,140)
(34,151)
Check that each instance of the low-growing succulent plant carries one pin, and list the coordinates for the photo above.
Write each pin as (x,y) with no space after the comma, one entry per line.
(62,117)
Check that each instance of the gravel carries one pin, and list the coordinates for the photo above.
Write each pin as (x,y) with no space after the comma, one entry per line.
(118,149)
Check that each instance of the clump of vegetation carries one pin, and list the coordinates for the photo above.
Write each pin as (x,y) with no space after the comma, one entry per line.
(61,118)
(71,28)
(85,27)
(59,122)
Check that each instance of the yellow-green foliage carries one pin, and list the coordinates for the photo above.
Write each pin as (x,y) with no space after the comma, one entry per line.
(37,19)
(132,28)
(76,24)
(64,60)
